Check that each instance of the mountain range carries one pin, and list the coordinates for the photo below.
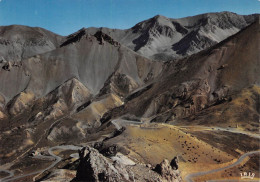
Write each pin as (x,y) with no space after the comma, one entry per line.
(158,38)
(85,87)
(163,38)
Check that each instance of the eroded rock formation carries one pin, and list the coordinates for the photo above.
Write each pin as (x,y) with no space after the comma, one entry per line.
(94,166)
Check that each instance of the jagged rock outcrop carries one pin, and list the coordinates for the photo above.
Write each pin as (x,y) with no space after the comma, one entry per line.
(101,37)
(95,167)
(168,171)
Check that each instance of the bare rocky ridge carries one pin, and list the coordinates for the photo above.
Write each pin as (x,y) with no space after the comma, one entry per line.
(158,38)
(81,61)
(163,38)
(19,42)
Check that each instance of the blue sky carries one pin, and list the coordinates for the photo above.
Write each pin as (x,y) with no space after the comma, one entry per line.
(67,16)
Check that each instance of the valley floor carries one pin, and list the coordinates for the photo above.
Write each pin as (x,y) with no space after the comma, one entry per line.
(204,153)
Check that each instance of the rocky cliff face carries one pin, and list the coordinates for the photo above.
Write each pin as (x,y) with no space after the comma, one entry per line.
(95,167)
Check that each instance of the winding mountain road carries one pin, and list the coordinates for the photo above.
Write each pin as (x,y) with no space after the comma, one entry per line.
(57,160)
(119,123)
(189,177)
(11,174)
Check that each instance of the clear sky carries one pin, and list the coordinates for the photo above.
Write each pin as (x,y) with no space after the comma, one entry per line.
(67,16)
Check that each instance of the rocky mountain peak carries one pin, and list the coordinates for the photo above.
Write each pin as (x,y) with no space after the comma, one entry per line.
(162,38)
(101,37)
(72,38)
(152,23)
(160,18)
